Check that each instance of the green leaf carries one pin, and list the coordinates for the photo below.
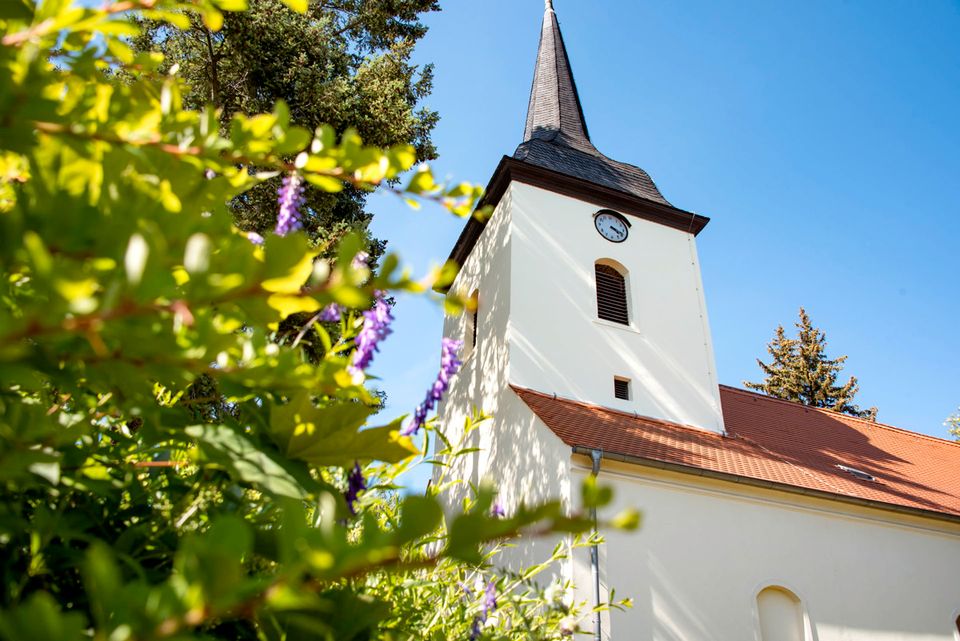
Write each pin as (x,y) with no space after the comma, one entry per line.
(39,617)
(103,582)
(628,520)
(15,10)
(213,20)
(300,6)
(294,139)
(287,305)
(332,436)
(595,495)
(266,470)
(326,183)
(419,516)
(289,263)
(215,560)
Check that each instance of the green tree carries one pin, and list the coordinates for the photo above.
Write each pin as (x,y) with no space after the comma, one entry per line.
(130,509)
(343,63)
(953,425)
(800,371)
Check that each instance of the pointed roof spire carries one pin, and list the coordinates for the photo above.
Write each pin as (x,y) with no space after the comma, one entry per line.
(554,112)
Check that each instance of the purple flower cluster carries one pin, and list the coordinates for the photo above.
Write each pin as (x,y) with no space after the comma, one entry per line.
(330,313)
(355,484)
(488,606)
(376,327)
(360,260)
(254,238)
(489,599)
(449,364)
(496,510)
(290,198)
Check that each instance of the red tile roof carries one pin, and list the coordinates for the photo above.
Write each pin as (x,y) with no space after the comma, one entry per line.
(774,441)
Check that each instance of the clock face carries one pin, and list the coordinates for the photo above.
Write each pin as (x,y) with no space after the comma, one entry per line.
(611,227)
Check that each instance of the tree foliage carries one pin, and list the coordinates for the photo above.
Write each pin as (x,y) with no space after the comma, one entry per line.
(801,371)
(343,63)
(129,508)
(953,425)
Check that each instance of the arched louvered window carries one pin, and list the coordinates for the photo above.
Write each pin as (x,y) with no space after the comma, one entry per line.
(781,615)
(611,295)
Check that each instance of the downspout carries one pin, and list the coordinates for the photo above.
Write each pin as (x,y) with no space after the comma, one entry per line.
(595,555)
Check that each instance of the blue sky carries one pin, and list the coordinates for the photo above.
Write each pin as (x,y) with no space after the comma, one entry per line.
(822,138)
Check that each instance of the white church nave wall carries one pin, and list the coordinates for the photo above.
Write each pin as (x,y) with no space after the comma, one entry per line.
(708,549)
(558,344)
(529,465)
(480,382)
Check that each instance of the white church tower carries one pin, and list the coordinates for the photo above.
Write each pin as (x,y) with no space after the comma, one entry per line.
(586,277)
(591,349)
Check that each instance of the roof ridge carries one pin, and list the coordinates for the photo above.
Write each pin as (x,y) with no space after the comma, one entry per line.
(825,410)
(634,415)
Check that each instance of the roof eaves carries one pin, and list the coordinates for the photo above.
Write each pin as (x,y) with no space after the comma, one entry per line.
(950,516)
(510,169)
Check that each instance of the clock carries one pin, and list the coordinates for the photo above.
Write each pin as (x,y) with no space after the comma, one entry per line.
(611,226)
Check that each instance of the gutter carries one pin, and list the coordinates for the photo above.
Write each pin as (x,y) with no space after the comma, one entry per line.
(772,485)
(595,455)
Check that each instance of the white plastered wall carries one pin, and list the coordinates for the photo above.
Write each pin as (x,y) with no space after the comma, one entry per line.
(516,451)
(707,548)
(558,345)
(478,385)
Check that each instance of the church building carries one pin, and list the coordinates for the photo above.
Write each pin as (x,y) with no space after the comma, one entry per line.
(590,346)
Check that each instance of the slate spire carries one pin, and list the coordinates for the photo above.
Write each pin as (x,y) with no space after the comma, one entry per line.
(554,112)
(556,136)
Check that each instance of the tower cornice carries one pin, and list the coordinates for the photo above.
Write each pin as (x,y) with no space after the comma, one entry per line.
(513,170)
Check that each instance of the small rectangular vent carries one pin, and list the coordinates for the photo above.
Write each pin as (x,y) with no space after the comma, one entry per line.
(621,388)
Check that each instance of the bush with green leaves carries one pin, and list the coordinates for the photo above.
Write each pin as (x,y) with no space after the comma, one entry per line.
(173,463)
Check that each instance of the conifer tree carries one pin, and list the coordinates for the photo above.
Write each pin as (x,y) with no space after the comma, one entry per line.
(953,425)
(343,63)
(800,371)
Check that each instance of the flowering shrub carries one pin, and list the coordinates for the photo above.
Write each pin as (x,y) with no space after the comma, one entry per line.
(170,468)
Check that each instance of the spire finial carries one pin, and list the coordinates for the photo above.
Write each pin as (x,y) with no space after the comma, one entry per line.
(548,5)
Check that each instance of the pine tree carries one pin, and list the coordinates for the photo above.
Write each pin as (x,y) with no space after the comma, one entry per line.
(800,371)
(953,425)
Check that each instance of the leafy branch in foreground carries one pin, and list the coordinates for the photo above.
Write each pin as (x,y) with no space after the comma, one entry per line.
(130,509)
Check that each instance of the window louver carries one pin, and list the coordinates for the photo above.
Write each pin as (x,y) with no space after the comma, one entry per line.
(611,295)
(621,389)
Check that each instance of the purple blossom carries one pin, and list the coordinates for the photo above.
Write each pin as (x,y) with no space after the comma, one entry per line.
(449,364)
(254,238)
(489,605)
(376,327)
(497,510)
(209,174)
(355,484)
(489,599)
(330,313)
(290,198)
(360,260)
